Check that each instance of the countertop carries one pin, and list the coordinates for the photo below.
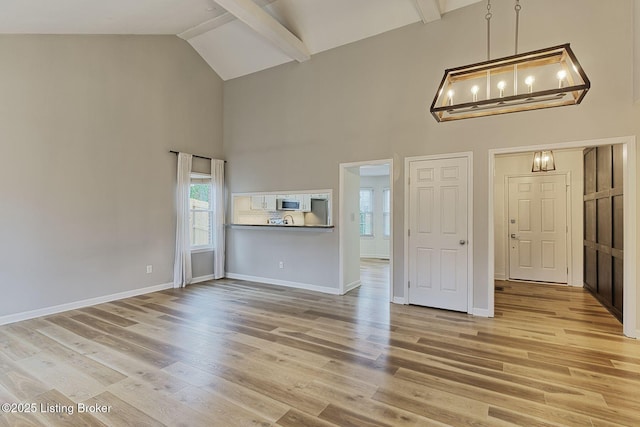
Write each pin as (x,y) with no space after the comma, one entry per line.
(283,227)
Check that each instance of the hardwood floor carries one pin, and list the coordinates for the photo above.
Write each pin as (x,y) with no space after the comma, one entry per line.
(234,353)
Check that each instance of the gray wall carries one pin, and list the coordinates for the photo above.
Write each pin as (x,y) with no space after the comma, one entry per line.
(86,181)
(369,100)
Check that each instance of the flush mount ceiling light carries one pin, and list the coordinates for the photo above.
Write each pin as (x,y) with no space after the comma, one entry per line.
(543,161)
(544,78)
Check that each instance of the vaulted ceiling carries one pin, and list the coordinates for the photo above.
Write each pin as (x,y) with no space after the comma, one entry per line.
(235,37)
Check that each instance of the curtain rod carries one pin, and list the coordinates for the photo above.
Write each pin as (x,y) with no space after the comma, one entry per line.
(194,155)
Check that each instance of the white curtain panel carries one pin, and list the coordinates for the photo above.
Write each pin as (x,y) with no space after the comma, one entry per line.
(182,266)
(217,179)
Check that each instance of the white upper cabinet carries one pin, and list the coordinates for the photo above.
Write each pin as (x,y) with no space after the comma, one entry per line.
(265,202)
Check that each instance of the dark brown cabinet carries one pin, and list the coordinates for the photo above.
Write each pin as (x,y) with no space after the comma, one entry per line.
(603,230)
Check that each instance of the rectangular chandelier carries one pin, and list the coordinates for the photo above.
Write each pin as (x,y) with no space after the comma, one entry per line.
(543,78)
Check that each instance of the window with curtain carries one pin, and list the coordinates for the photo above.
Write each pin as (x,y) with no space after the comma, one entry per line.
(201,212)
(386,212)
(366,212)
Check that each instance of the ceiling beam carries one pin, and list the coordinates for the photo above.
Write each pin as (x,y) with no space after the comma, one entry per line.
(429,10)
(266,26)
(206,26)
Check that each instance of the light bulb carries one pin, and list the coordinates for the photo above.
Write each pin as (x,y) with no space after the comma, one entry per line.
(474,92)
(529,82)
(450,95)
(562,74)
(501,86)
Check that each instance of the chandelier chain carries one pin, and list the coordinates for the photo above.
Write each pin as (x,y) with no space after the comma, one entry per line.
(488,18)
(517,8)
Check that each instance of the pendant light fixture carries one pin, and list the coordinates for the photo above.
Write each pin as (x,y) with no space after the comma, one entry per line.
(543,161)
(544,78)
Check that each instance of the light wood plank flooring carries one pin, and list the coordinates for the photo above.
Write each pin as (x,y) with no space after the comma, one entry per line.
(234,353)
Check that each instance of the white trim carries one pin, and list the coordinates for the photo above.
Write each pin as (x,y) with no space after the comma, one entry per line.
(398,300)
(288,284)
(26,315)
(277,193)
(469,156)
(629,309)
(481,312)
(374,256)
(630,218)
(201,249)
(569,234)
(202,279)
(343,167)
(500,277)
(351,286)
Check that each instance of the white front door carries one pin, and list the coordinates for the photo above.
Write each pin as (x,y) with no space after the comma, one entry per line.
(438,221)
(538,228)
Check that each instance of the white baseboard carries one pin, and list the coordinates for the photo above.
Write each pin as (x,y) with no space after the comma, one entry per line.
(297,285)
(351,286)
(202,279)
(399,300)
(481,312)
(386,256)
(26,315)
(497,276)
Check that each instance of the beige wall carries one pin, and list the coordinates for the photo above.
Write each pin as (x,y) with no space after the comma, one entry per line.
(369,100)
(87,183)
(567,161)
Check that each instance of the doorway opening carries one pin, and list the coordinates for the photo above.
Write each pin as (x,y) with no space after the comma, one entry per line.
(499,234)
(366,226)
(538,219)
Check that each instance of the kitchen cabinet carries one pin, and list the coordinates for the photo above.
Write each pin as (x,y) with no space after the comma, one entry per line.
(305,202)
(265,202)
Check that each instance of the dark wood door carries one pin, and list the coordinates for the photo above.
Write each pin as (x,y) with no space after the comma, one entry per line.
(603,231)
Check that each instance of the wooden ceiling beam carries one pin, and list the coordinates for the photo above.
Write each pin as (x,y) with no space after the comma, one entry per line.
(266,26)
(429,10)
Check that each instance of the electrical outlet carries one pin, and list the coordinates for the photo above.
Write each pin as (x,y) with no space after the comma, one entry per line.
(149,269)
(281,265)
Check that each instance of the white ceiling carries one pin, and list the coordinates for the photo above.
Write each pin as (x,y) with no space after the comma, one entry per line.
(235,43)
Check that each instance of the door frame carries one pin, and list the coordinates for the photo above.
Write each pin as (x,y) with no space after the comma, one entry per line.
(341,219)
(569,222)
(469,156)
(630,218)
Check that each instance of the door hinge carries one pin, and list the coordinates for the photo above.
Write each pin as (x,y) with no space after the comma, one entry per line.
(409,283)
(409,232)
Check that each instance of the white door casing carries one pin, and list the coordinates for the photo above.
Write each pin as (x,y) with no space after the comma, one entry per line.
(438,250)
(537,227)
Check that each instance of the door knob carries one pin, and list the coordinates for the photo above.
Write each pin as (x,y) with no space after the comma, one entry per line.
(462,242)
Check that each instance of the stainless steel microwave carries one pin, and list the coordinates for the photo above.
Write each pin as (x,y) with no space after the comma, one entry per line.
(288,204)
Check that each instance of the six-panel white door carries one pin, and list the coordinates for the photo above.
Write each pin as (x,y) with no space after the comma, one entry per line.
(438,271)
(538,228)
